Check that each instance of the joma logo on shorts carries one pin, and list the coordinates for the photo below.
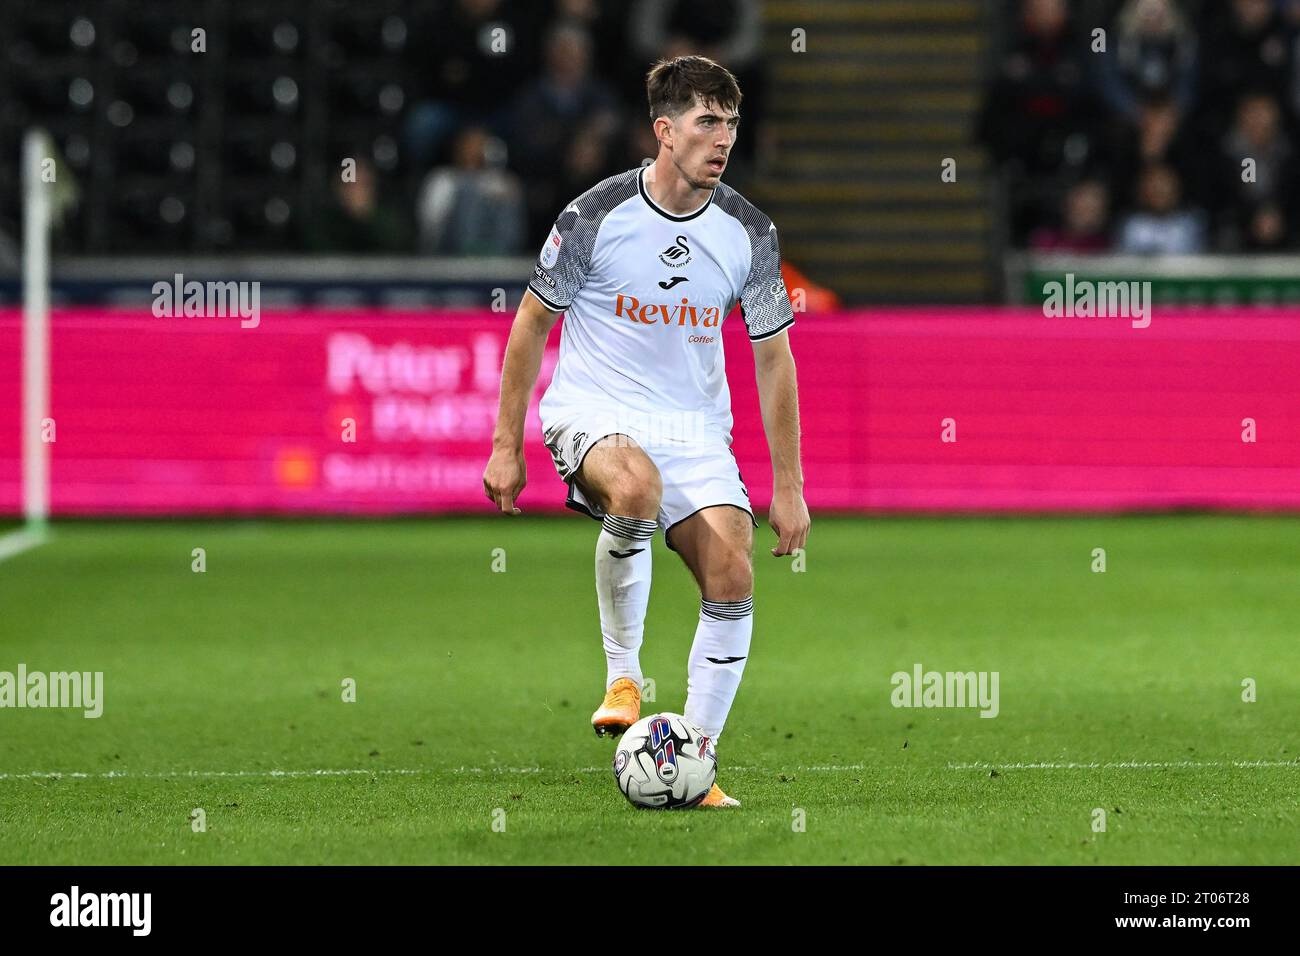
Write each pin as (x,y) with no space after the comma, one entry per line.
(654,313)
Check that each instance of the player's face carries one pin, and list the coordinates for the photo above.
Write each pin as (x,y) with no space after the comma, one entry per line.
(703,137)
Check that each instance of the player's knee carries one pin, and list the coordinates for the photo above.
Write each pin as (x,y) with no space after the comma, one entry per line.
(732,581)
(635,502)
(636,489)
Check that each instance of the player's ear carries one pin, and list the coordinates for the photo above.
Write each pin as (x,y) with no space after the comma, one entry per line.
(664,132)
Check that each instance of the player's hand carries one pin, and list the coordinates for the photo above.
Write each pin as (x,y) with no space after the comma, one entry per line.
(789,518)
(504,478)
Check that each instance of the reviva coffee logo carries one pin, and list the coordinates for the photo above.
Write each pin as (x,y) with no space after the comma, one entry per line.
(654,313)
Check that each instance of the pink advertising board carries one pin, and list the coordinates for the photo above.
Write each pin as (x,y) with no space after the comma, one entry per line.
(189,415)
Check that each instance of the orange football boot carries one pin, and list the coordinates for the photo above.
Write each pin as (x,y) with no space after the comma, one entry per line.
(716,798)
(620,709)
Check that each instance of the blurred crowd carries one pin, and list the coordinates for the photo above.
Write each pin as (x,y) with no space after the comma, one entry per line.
(1173,131)
(515,109)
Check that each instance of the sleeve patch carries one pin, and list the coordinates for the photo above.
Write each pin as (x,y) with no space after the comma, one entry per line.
(551,250)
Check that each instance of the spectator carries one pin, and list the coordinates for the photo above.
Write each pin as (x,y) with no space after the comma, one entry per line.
(473,207)
(605,21)
(1085,221)
(1255,205)
(1249,51)
(358,220)
(1161,226)
(564,123)
(1036,118)
(1267,229)
(1160,138)
(1153,56)
(1038,95)
(471,57)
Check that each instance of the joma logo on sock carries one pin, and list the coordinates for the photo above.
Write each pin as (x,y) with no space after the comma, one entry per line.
(948,689)
(103,909)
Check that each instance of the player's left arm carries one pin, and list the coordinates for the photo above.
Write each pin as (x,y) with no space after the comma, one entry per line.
(778,396)
(765,304)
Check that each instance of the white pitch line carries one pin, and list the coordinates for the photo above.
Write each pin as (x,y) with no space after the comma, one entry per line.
(195,774)
(377,772)
(607,769)
(434,771)
(16,542)
(1126,765)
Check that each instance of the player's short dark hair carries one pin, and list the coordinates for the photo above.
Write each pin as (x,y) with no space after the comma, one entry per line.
(673,86)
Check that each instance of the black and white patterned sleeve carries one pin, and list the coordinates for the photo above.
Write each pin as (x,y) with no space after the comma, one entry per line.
(764,302)
(561,267)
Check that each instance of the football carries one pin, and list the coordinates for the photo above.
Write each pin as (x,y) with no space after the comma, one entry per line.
(664,762)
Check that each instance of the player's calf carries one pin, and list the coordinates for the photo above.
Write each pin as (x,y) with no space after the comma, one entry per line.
(618,475)
(623,571)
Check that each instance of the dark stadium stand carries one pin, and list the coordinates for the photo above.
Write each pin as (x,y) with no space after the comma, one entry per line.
(851,110)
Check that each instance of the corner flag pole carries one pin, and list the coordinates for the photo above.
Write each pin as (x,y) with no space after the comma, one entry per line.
(36,332)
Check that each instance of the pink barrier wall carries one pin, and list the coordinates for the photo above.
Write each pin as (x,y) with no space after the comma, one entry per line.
(199,415)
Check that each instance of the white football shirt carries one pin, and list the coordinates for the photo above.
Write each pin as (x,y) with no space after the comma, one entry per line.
(645,293)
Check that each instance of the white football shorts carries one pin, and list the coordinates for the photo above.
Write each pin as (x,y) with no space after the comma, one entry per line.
(698,471)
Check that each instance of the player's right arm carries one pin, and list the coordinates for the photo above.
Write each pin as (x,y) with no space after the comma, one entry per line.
(505,475)
(560,271)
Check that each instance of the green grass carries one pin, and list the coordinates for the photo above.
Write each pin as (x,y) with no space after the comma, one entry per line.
(464,676)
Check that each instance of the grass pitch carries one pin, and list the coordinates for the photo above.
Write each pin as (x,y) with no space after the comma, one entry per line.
(1120,691)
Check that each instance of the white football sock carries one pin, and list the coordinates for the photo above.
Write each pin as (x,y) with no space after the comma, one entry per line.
(717,662)
(623,563)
